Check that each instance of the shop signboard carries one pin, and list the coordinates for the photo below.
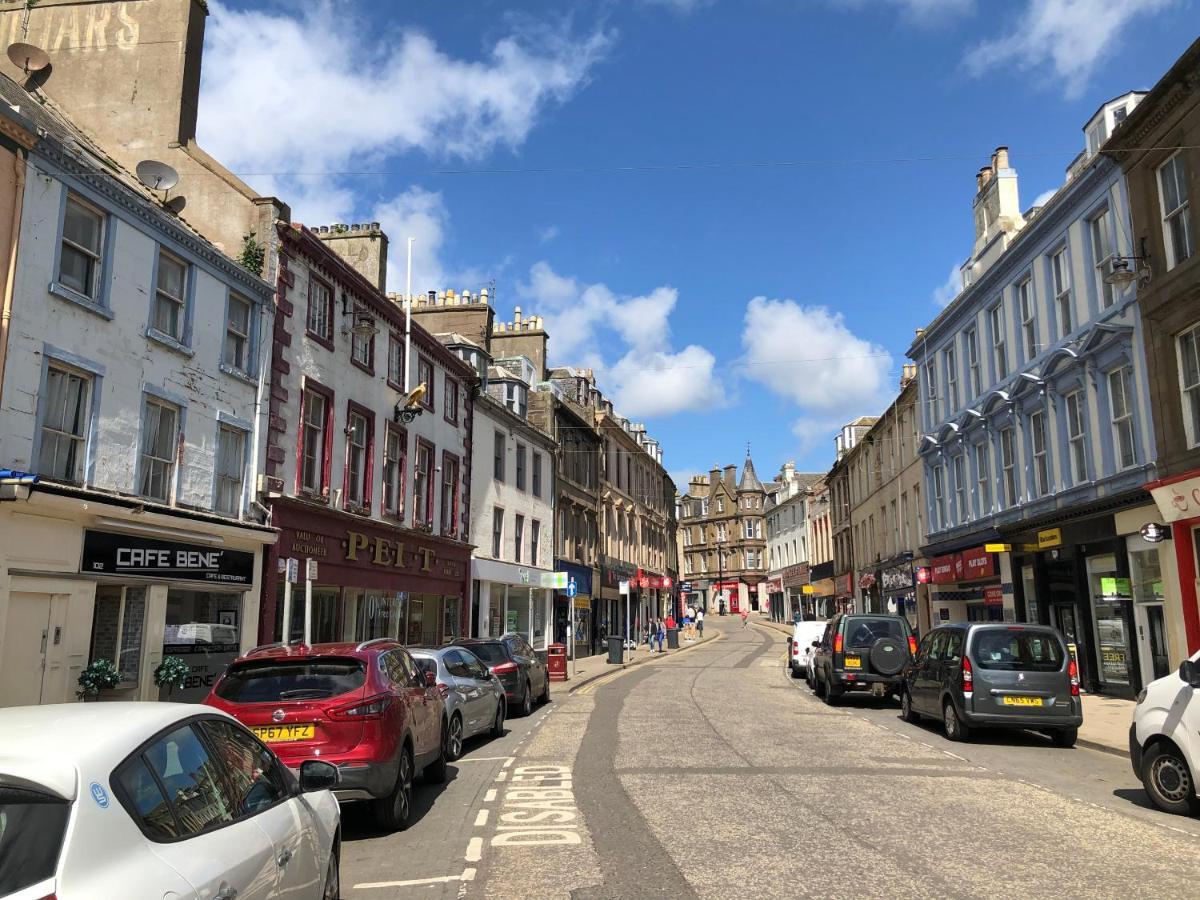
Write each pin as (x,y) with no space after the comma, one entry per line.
(1178,500)
(795,575)
(1050,537)
(844,584)
(105,553)
(943,569)
(1116,587)
(977,563)
(898,578)
(993,596)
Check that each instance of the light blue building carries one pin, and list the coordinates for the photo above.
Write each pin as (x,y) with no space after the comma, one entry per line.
(1036,420)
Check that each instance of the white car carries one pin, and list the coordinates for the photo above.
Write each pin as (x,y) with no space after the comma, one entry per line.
(157,800)
(800,649)
(1164,739)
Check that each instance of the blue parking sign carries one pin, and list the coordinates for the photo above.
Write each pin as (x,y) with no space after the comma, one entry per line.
(572,588)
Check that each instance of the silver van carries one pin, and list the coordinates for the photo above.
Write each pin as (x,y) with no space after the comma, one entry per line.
(977,674)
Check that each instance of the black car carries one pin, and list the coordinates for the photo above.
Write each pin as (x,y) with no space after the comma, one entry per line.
(520,670)
(862,652)
(972,674)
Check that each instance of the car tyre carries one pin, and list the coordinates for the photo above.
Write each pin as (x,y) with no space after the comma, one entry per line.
(795,670)
(956,729)
(394,811)
(333,883)
(454,738)
(498,722)
(832,694)
(527,700)
(907,713)
(1168,780)
(545,698)
(435,772)
(819,686)
(1064,737)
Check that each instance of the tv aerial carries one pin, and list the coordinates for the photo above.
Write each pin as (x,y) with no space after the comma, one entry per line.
(157,176)
(28,57)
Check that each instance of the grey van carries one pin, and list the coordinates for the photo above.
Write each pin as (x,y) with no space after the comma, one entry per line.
(975,674)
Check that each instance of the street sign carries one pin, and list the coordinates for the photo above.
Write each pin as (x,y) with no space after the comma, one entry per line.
(555,580)
(623,587)
(311,570)
(685,586)
(293,570)
(572,588)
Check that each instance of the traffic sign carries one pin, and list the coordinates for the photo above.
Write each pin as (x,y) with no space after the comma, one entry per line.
(572,588)
(685,586)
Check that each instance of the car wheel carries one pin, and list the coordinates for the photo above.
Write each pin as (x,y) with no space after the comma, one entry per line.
(545,698)
(956,729)
(819,685)
(527,700)
(454,738)
(1168,781)
(907,713)
(795,670)
(435,772)
(832,694)
(333,884)
(498,722)
(1064,737)
(394,811)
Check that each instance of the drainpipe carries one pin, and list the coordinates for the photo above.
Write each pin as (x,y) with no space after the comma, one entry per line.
(6,304)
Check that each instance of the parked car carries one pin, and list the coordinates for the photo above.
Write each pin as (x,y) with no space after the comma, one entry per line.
(364,707)
(510,658)
(474,697)
(153,800)
(1164,739)
(973,674)
(805,638)
(862,652)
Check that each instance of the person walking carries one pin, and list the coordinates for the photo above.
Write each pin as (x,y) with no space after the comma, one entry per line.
(745,616)
(661,634)
(700,623)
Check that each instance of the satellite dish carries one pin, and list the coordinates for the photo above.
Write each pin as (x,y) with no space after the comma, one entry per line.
(175,204)
(27,57)
(157,176)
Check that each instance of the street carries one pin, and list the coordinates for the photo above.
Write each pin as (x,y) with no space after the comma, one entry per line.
(711,773)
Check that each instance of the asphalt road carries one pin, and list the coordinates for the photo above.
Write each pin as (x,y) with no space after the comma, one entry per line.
(711,774)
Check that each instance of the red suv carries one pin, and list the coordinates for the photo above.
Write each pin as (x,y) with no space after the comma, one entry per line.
(365,707)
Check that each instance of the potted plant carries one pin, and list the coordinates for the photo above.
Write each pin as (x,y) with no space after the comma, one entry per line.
(171,673)
(100,675)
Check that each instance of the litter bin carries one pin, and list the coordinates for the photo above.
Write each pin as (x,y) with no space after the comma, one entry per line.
(672,638)
(616,649)
(556,662)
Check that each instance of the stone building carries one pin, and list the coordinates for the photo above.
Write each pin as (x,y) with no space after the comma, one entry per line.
(789,531)
(1164,193)
(841,526)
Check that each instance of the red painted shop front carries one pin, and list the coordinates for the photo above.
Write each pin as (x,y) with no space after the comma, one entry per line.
(373,580)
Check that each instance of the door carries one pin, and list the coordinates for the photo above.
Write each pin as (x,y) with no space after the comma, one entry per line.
(33,660)
(468,688)
(1152,641)
(927,683)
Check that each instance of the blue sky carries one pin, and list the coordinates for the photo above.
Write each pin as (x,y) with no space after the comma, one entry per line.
(601,163)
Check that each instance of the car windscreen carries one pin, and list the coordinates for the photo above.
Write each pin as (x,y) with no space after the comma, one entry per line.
(491,653)
(1018,650)
(269,681)
(32,828)
(861,631)
(425,664)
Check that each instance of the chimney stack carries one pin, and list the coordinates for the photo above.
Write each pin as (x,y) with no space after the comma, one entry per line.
(1001,158)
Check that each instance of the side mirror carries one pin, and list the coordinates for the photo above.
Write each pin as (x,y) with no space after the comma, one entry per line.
(430,679)
(318,775)
(1190,673)
(816,643)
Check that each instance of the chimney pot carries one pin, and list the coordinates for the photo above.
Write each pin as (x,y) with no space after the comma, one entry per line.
(1001,157)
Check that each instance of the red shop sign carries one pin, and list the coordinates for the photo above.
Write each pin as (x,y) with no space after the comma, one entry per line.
(993,596)
(977,563)
(943,569)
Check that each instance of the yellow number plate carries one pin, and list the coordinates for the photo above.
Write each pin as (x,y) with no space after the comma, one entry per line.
(853,662)
(1022,701)
(276,734)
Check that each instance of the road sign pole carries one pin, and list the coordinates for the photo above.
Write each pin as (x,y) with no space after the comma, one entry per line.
(287,609)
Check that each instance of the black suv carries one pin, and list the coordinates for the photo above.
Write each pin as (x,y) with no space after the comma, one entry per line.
(862,652)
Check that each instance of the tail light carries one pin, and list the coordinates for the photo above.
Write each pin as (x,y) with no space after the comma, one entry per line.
(837,643)
(968,677)
(1073,671)
(362,710)
(505,668)
(912,646)
(795,648)
(443,690)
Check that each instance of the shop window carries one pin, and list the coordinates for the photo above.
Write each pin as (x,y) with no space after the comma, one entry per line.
(452,619)
(423,485)
(66,416)
(375,614)
(449,494)
(324,615)
(204,629)
(395,465)
(230,469)
(160,434)
(1110,597)
(424,611)
(118,626)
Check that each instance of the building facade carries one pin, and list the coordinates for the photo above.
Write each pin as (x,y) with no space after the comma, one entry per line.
(789,530)
(841,524)
(1164,194)
(1035,417)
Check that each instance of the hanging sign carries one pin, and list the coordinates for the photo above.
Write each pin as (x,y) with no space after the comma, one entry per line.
(1153,532)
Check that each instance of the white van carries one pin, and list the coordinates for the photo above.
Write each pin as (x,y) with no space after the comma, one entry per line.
(800,649)
(1164,739)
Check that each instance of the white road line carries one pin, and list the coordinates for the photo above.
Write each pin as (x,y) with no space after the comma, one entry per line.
(475,849)
(500,776)
(481,818)
(508,762)
(467,875)
(489,796)
(481,759)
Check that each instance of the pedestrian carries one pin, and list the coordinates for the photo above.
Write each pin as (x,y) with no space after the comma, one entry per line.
(648,636)
(745,616)
(661,634)
(700,623)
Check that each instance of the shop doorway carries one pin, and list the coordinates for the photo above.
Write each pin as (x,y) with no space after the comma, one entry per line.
(1152,641)
(33,663)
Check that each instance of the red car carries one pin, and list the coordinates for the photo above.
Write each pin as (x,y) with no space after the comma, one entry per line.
(364,707)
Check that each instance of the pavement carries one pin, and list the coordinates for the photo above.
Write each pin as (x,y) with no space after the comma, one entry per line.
(710,773)
(589,668)
(1105,719)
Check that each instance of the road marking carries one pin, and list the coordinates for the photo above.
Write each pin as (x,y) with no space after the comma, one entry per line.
(481,819)
(500,776)
(482,759)
(490,795)
(467,875)
(475,849)
(538,809)
(508,762)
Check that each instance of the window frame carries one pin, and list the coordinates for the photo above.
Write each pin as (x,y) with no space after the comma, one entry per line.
(1077,447)
(959,472)
(999,342)
(450,400)
(520,476)
(518,536)
(535,539)
(535,474)
(451,462)
(971,338)
(1122,375)
(498,531)
(250,338)
(97,301)
(119,648)
(1100,225)
(424,364)
(152,396)
(308,387)
(363,506)
(325,340)
(1041,457)
(396,511)
(367,365)
(1191,423)
(395,350)
(1008,467)
(426,519)
(939,495)
(244,430)
(499,456)
(983,475)
(183,340)
(1060,285)
(1177,162)
(950,361)
(86,439)
(1027,310)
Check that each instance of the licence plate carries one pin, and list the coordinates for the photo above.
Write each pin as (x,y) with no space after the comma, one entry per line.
(853,662)
(1022,701)
(277,734)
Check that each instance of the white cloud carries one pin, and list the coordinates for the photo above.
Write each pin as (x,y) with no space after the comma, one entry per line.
(807,355)
(547,234)
(924,11)
(627,341)
(1070,36)
(948,289)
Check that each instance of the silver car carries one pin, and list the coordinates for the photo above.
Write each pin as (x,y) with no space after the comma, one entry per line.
(474,697)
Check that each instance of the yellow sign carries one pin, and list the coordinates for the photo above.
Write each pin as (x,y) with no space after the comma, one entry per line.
(806,589)
(997,548)
(582,602)
(1051,537)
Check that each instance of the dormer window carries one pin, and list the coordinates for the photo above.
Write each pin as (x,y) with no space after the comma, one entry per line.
(515,397)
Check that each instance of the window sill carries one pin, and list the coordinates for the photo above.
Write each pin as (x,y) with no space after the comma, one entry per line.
(73,296)
(325,342)
(370,370)
(312,498)
(357,510)
(238,374)
(169,342)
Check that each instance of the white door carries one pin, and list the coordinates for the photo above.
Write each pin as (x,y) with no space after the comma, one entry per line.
(33,658)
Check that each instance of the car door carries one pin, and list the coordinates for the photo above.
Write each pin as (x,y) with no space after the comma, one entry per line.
(173,789)
(949,675)
(490,689)
(464,687)
(541,677)
(263,791)
(926,677)
(426,707)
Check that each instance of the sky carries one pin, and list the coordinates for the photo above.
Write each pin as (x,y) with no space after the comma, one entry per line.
(736,212)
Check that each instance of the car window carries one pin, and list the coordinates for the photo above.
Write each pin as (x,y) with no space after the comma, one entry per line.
(474,666)
(492,653)
(269,681)
(456,663)
(424,663)
(189,777)
(827,635)
(937,645)
(32,828)
(861,632)
(392,666)
(146,801)
(926,646)
(513,646)
(953,650)
(1018,650)
(415,676)
(254,774)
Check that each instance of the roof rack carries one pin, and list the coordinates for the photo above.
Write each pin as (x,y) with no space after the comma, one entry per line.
(365,644)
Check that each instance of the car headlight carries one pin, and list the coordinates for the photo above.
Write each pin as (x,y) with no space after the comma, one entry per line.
(1141,695)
